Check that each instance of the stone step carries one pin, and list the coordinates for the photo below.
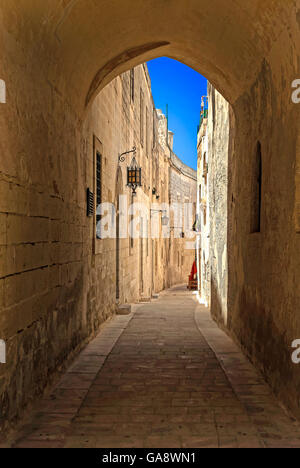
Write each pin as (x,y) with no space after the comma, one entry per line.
(124,309)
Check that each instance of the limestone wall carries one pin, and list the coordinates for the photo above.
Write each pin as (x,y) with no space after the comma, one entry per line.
(55,57)
(255,267)
(203,215)
(218,146)
(58,282)
(182,192)
(264,273)
(255,270)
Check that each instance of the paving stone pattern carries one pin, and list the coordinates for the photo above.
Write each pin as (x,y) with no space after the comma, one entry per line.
(167,377)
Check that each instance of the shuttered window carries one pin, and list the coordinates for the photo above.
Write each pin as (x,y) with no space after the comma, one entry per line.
(98,192)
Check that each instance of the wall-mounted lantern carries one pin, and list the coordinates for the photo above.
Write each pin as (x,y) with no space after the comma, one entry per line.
(134,171)
(134,176)
(164,220)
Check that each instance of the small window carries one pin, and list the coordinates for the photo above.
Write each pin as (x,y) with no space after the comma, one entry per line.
(98,192)
(256,191)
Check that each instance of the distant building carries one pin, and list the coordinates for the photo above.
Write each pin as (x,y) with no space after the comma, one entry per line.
(203,211)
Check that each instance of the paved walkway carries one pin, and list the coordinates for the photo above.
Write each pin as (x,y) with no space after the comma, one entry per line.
(164,377)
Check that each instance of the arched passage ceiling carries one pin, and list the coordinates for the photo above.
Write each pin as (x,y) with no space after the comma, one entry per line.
(89,42)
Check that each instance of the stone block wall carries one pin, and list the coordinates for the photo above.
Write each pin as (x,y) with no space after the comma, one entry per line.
(218,147)
(203,214)
(57,280)
(264,273)
(255,271)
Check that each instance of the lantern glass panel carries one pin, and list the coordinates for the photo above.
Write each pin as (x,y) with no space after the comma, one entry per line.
(134,175)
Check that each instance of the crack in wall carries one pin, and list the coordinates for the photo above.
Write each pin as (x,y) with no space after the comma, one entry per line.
(65,14)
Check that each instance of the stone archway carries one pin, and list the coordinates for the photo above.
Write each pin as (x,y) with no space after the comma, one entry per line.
(82,44)
(56,56)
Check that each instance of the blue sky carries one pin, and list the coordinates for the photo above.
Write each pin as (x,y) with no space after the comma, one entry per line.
(181,88)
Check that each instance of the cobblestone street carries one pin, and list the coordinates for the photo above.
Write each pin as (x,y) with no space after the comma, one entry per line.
(165,376)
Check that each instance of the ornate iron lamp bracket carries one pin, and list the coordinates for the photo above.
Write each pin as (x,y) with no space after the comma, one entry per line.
(122,156)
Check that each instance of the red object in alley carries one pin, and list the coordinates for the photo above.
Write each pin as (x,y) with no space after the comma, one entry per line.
(193,281)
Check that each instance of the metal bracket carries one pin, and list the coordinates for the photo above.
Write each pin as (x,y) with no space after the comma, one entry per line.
(122,156)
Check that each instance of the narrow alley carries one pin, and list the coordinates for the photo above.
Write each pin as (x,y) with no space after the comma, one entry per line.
(164,376)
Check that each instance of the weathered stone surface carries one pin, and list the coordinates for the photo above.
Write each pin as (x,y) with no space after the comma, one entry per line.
(57,281)
(124,309)
(173,379)
(254,290)
(55,58)
(218,149)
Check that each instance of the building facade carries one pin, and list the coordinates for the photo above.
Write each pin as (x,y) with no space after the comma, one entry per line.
(203,212)
(212,204)
(55,59)
(64,273)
